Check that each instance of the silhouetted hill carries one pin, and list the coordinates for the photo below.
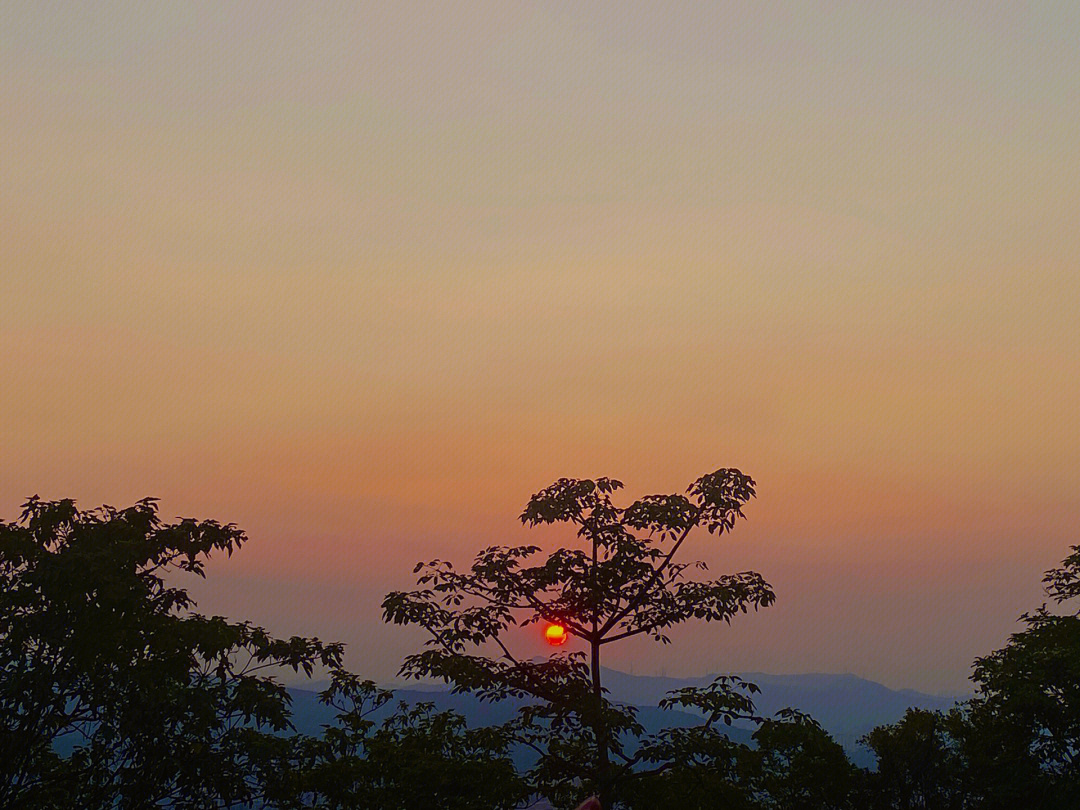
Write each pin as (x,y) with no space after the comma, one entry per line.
(847,706)
(310,716)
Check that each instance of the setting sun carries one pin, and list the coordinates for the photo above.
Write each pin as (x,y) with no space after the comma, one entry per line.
(555,635)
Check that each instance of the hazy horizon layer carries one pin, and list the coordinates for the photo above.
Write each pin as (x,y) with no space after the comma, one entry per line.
(361,279)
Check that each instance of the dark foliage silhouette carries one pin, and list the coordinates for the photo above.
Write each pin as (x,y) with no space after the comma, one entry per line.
(415,759)
(116,694)
(101,657)
(1016,743)
(919,763)
(624,580)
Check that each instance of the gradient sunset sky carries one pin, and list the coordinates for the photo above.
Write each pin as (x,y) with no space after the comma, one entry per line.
(363,279)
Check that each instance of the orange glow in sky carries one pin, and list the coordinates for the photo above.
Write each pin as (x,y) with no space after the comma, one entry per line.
(363,278)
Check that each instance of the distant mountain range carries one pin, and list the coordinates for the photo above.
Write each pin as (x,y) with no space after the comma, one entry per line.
(846,706)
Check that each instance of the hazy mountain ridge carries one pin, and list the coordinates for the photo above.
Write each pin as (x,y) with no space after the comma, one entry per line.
(310,715)
(846,705)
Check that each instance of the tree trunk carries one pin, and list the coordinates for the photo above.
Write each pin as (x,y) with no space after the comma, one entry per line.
(603,767)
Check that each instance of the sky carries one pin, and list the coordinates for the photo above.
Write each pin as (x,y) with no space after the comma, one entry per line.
(362,278)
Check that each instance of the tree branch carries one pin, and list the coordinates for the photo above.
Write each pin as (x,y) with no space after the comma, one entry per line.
(637,601)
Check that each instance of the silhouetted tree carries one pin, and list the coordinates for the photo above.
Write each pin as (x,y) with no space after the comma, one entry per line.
(919,764)
(414,759)
(698,767)
(622,581)
(1021,731)
(800,766)
(113,694)
(695,768)
(1016,743)
(794,764)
